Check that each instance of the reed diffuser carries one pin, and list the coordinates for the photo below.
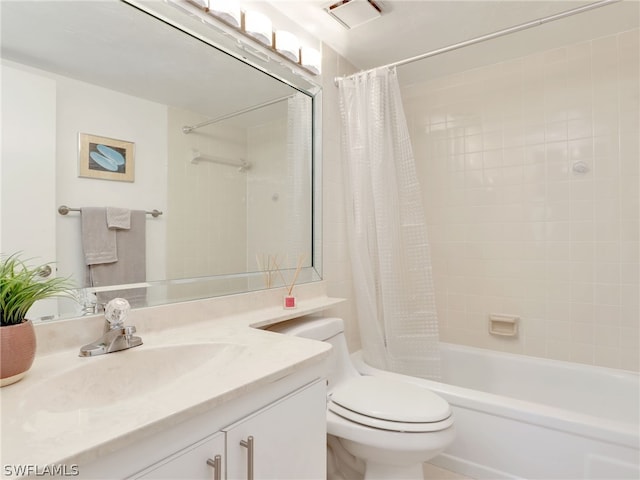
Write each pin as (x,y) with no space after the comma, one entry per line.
(289,298)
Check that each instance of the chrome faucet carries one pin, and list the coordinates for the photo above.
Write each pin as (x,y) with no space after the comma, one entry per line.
(117,336)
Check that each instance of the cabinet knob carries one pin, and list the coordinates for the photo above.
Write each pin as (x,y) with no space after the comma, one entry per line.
(248,444)
(216,463)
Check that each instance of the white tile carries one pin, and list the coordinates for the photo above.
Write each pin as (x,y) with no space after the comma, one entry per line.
(630,273)
(606,335)
(582,292)
(582,353)
(583,313)
(516,223)
(556,131)
(607,356)
(513,156)
(581,149)
(606,294)
(608,316)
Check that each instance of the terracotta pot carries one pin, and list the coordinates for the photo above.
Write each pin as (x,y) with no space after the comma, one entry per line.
(17,351)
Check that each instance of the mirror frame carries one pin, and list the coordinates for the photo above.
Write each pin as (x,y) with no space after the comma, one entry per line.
(185,17)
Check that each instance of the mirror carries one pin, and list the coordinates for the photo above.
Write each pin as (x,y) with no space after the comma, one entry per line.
(105,105)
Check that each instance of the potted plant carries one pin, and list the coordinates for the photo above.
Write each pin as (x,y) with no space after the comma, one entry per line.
(20,287)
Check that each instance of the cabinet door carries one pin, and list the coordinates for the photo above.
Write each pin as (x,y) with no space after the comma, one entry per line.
(289,439)
(190,463)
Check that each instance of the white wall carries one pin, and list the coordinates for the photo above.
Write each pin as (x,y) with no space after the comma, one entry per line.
(46,169)
(27,165)
(86,108)
(512,228)
(27,171)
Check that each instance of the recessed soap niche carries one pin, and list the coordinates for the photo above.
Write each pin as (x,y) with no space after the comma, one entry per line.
(503,325)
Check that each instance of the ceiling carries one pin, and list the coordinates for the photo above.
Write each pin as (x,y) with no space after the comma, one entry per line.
(111,44)
(410,28)
(405,29)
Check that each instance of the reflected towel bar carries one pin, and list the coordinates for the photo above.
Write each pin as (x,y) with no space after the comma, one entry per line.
(242,165)
(63,210)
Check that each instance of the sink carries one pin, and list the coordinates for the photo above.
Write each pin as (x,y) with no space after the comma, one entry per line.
(112,379)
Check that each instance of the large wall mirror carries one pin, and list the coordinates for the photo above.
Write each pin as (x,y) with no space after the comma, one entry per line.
(112,112)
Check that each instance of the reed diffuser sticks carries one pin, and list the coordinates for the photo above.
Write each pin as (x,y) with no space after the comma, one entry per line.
(297,272)
(270,264)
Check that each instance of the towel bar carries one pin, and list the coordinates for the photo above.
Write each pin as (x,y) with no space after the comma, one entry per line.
(63,210)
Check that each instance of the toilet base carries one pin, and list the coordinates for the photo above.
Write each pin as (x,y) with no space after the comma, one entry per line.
(377,471)
(344,466)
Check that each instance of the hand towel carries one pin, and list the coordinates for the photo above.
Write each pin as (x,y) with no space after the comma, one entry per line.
(131,264)
(98,242)
(118,218)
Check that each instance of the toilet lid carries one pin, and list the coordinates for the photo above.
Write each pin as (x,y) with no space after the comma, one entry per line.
(391,400)
(378,424)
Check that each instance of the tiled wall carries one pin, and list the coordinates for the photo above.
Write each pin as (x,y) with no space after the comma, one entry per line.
(514,227)
(202,197)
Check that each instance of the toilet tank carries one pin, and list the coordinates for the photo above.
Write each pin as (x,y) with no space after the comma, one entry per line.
(323,329)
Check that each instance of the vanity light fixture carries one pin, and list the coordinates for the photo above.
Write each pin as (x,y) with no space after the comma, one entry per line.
(226,10)
(258,26)
(287,44)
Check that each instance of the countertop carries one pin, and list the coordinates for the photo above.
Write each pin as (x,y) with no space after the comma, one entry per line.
(42,423)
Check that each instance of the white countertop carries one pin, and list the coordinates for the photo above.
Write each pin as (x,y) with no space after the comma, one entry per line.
(39,427)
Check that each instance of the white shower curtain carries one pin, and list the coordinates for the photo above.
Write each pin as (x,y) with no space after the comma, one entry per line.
(387,233)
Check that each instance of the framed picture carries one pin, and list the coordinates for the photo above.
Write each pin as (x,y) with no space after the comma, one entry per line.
(106,158)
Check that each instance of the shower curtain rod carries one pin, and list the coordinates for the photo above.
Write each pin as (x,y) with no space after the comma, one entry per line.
(499,33)
(190,128)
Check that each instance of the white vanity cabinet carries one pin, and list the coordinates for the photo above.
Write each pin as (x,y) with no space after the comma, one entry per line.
(192,462)
(289,439)
(284,440)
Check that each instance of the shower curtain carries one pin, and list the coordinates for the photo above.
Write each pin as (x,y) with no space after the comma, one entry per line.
(386,229)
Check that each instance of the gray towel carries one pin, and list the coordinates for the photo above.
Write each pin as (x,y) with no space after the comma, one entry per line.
(131,264)
(98,242)
(118,218)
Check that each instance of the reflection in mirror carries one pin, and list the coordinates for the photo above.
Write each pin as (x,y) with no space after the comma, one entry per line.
(222,149)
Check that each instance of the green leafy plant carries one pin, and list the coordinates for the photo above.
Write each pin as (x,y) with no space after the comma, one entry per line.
(21,286)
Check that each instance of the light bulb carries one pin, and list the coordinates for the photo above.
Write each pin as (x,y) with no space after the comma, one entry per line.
(311,59)
(258,26)
(288,45)
(226,10)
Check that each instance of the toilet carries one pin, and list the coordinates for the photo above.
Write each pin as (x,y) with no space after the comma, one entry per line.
(389,425)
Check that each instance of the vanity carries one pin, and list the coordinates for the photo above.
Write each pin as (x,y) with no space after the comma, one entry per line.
(208,395)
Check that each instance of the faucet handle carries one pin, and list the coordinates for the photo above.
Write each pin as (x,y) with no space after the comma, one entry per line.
(116,311)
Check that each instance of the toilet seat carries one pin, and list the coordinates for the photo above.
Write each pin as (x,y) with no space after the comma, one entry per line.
(388,404)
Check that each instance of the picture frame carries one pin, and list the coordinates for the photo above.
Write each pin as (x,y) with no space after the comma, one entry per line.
(106,158)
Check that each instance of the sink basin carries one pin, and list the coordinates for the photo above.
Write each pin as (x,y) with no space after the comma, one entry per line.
(117,377)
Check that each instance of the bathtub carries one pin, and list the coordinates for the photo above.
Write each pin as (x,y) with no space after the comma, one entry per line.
(526,417)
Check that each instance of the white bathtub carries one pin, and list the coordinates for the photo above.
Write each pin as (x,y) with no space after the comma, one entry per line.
(525,417)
